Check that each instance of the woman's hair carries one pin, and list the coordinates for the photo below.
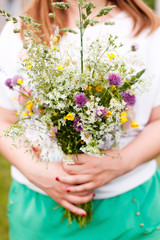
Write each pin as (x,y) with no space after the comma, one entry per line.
(143,17)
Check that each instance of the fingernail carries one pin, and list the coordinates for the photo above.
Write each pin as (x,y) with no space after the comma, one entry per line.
(94,194)
(84,214)
(68,190)
(57,178)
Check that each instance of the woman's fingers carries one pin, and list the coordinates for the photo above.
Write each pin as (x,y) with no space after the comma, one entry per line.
(81,188)
(73,169)
(73,179)
(73,208)
(79,199)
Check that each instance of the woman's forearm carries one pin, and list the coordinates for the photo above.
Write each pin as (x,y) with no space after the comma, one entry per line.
(145,147)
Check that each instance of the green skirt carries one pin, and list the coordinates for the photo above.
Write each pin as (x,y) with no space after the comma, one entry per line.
(134,215)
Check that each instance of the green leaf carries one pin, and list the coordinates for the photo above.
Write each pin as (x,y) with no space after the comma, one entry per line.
(93,22)
(109,23)
(14,20)
(61,5)
(68,30)
(17,30)
(138,75)
(8,14)
(134,79)
(88,6)
(8,19)
(86,23)
(25,45)
(105,11)
(84,16)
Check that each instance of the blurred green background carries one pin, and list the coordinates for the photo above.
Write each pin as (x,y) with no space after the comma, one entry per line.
(5,181)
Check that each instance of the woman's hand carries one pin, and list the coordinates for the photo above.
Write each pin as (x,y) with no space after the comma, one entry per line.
(90,172)
(39,173)
(45,178)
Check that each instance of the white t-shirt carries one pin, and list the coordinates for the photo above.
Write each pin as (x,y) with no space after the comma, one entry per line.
(148,48)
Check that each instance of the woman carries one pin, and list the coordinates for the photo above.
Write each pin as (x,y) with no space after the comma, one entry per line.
(124,183)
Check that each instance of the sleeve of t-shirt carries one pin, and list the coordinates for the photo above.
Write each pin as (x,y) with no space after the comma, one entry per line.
(9,46)
(153,50)
(156,100)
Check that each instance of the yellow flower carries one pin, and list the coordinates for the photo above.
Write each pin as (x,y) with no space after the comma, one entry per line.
(24,60)
(55,39)
(55,114)
(60,67)
(66,33)
(123,114)
(69,117)
(68,60)
(52,132)
(54,47)
(30,113)
(108,114)
(88,67)
(19,81)
(29,67)
(134,124)
(113,88)
(29,105)
(24,114)
(111,56)
(99,88)
(14,98)
(124,119)
(89,88)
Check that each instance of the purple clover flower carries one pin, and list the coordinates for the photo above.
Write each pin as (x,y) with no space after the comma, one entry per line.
(8,83)
(128,98)
(101,113)
(77,124)
(114,79)
(80,99)
(11,82)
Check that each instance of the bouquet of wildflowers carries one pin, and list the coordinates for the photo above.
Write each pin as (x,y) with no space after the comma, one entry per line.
(82,104)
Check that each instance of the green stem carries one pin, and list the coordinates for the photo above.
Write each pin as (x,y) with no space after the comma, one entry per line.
(81,38)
